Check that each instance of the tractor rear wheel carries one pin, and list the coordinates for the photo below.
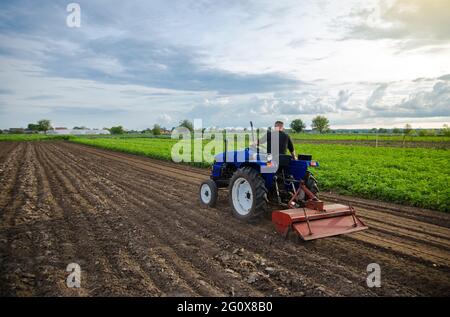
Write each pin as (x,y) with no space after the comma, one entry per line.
(248,194)
(208,193)
(311,183)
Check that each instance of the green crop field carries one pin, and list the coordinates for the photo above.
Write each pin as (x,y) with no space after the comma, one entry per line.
(367,137)
(151,147)
(31,137)
(412,176)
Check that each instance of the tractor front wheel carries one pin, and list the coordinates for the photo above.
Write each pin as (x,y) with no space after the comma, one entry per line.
(208,193)
(248,194)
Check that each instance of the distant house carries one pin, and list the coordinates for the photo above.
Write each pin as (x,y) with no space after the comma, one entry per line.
(16,130)
(76,132)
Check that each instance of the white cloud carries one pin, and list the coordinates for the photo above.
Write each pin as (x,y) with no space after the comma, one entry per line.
(343,98)
(377,96)
(434,103)
(139,62)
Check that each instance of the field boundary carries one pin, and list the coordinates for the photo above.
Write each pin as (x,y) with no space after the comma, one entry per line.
(379,143)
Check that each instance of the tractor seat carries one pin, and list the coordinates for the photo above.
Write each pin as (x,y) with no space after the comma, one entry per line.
(284,160)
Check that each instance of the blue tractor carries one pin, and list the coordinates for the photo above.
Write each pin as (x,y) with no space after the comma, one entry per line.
(256,181)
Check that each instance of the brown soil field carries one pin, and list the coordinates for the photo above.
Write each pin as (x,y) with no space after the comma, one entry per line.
(136,228)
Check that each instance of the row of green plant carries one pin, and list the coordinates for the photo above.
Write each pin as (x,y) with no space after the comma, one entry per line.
(32,137)
(368,137)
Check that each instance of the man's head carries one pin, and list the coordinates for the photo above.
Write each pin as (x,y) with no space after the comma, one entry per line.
(279,126)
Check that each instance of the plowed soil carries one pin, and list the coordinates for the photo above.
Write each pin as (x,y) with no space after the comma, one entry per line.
(135,227)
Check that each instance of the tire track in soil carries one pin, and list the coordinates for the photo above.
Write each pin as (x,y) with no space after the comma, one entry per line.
(412,229)
(416,249)
(440,219)
(394,254)
(389,241)
(258,239)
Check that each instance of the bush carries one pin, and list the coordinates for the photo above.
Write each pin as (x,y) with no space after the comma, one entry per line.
(117,130)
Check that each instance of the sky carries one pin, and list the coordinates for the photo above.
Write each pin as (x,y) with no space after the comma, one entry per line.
(363,64)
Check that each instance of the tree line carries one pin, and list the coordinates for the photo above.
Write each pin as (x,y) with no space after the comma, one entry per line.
(319,124)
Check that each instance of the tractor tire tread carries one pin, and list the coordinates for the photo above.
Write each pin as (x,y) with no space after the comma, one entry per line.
(260,190)
(214,192)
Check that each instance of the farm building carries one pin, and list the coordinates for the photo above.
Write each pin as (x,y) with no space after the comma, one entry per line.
(76,132)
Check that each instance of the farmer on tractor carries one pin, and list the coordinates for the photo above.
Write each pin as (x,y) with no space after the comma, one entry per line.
(253,185)
(284,141)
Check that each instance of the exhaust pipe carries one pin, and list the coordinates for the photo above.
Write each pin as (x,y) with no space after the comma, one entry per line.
(253,133)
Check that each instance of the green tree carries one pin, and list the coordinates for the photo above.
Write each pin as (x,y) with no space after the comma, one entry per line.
(80,128)
(33,127)
(321,124)
(422,132)
(297,126)
(187,124)
(382,130)
(44,125)
(396,131)
(156,129)
(117,130)
(408,129)
(445,130)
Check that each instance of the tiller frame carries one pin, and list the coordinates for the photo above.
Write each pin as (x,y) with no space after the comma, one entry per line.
(316,220)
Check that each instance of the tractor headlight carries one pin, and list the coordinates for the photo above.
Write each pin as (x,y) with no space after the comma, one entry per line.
(269,157)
